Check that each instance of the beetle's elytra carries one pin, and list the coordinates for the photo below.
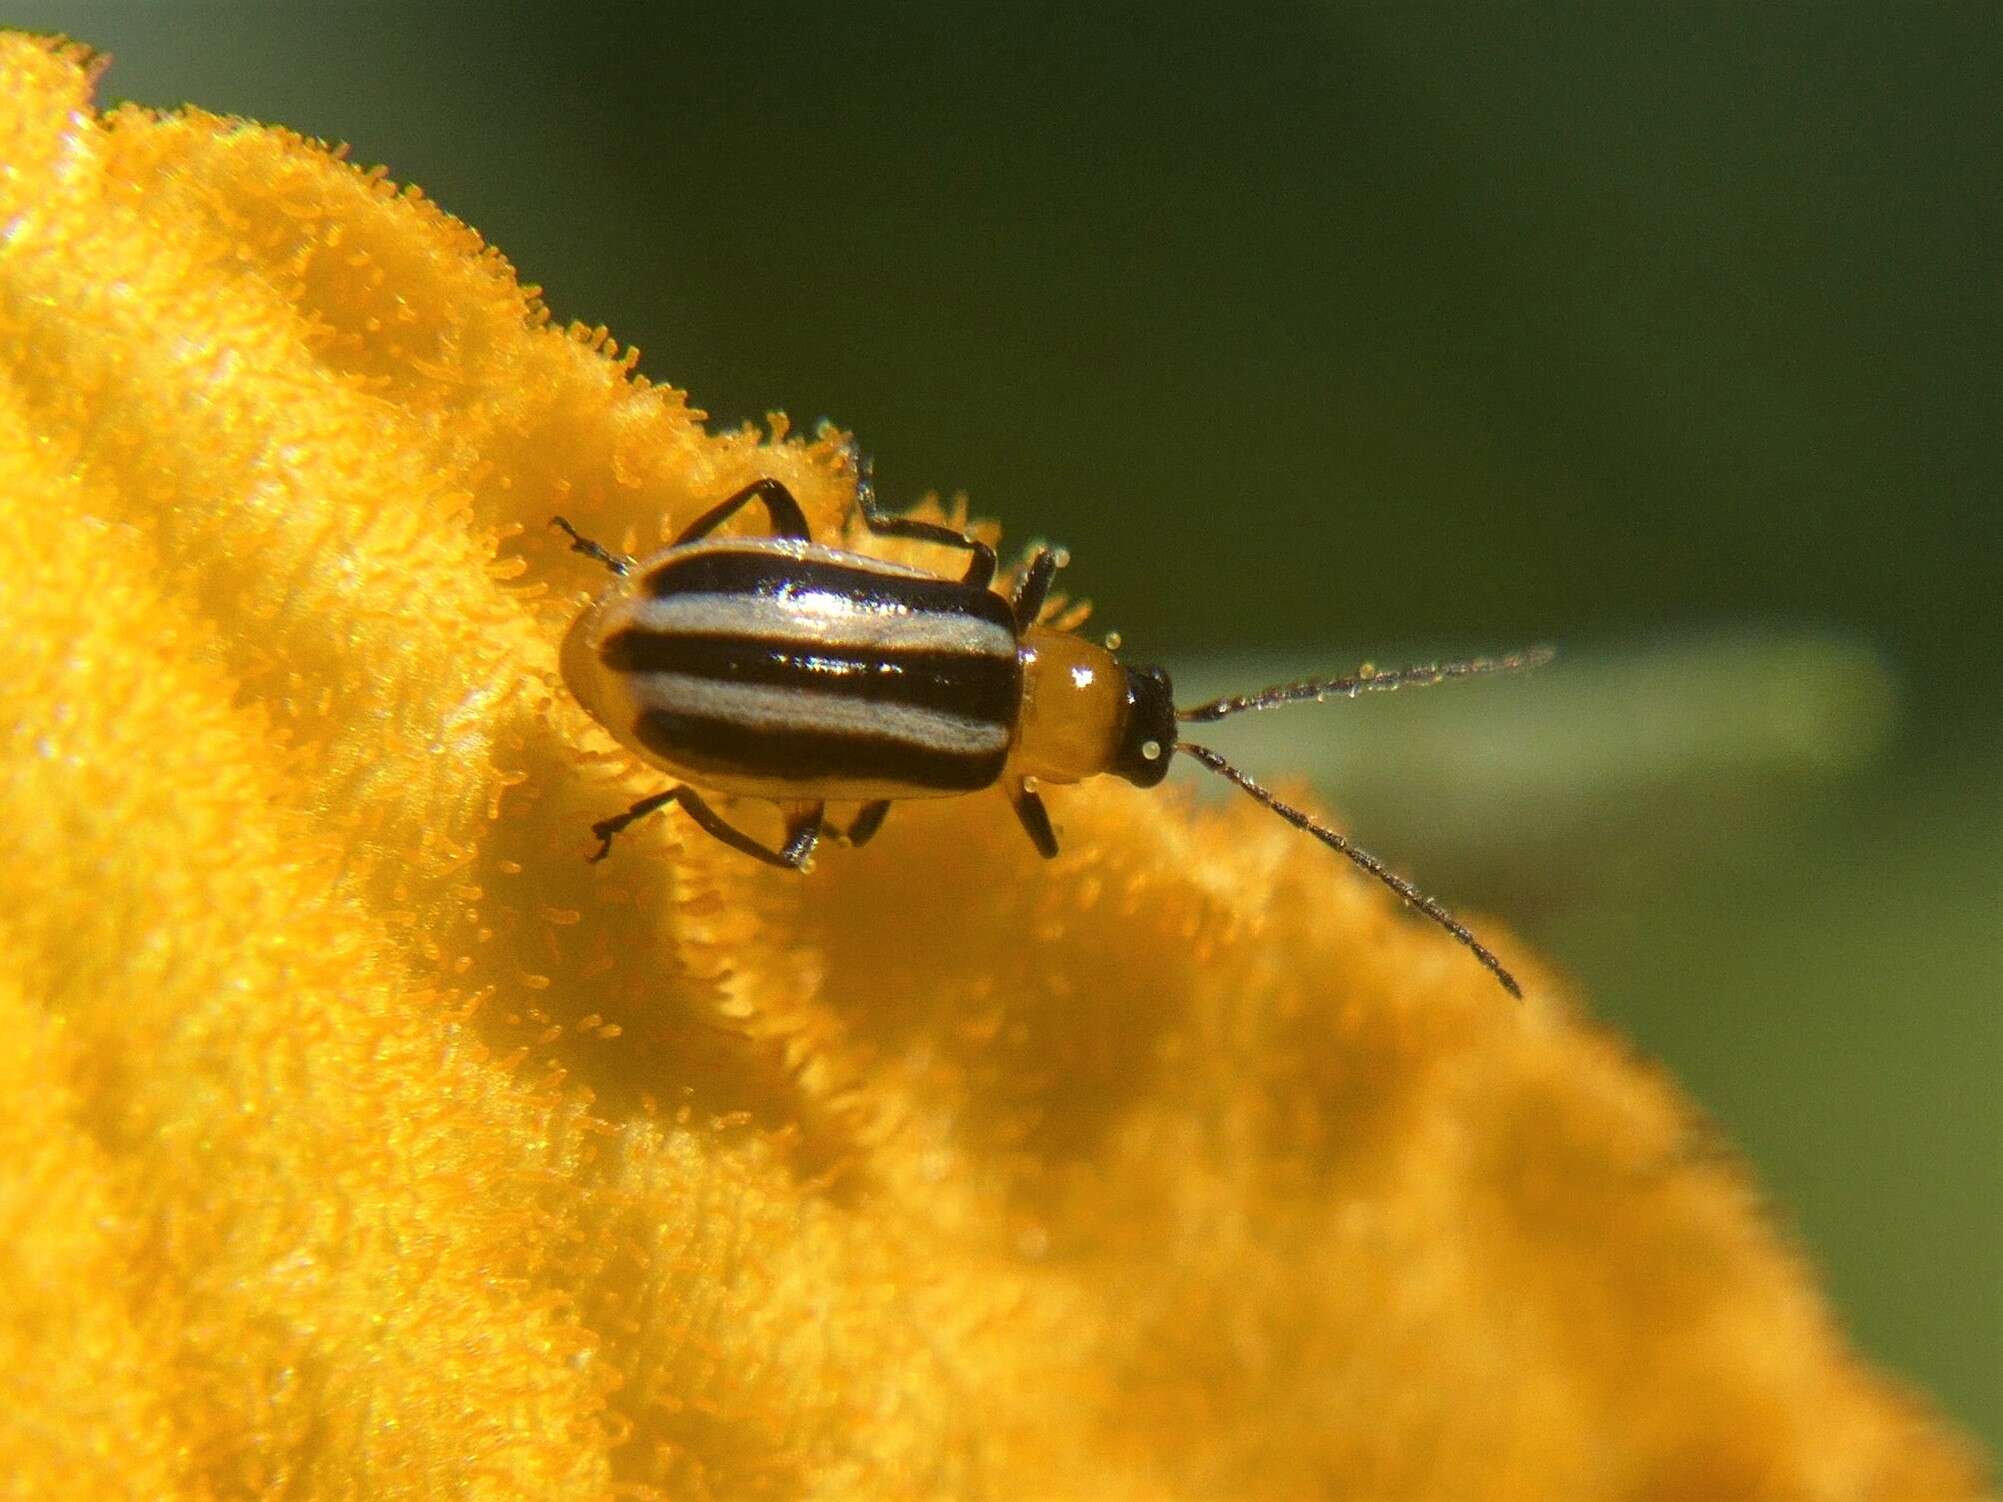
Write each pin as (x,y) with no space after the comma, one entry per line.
(773,667)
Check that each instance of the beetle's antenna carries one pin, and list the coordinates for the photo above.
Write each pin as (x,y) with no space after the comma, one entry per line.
(1363,858)
(1369,680)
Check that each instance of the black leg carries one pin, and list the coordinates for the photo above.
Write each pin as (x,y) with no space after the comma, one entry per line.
(1036,820)
(619,563)
(867,823)
(980,571)
(802,835)
(788,520)
(1031,588)
(605,829)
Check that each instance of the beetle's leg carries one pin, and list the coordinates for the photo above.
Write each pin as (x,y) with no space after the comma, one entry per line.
(1031,588)
(1036,820)
(980,571)
(619,563)
(788,520)
(867,823)
(605,829)
(801,835)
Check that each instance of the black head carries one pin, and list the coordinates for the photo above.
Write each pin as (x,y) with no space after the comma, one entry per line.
(1149,726)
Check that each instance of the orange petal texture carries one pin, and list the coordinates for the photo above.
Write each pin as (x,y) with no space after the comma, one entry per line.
(358,1139)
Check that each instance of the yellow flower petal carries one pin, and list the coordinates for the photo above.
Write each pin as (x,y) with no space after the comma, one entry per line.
(363,1141)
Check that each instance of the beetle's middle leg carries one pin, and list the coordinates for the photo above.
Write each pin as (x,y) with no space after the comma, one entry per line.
(803,831)
(787,519)
(980,569)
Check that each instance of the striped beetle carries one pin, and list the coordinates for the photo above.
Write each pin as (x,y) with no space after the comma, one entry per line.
(777,668)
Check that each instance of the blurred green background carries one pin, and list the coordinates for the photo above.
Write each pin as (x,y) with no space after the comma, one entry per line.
(1667,333)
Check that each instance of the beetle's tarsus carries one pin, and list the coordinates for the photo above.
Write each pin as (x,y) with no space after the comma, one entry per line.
(619,563)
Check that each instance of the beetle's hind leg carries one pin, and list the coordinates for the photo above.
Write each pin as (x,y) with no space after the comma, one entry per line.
(803,830)
(980,569)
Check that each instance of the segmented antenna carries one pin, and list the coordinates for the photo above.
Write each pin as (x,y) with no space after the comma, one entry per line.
(1363,858)
(1367,681)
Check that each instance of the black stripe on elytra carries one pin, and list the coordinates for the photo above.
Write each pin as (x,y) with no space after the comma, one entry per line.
(703,744)
(752,571)
(978,688)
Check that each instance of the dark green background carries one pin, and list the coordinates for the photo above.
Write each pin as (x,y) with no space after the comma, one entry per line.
(1322,330)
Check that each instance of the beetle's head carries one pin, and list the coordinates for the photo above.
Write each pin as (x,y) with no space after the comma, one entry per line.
(1147,732)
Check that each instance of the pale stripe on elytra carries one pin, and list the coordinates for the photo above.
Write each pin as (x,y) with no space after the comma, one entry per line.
(824,618)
